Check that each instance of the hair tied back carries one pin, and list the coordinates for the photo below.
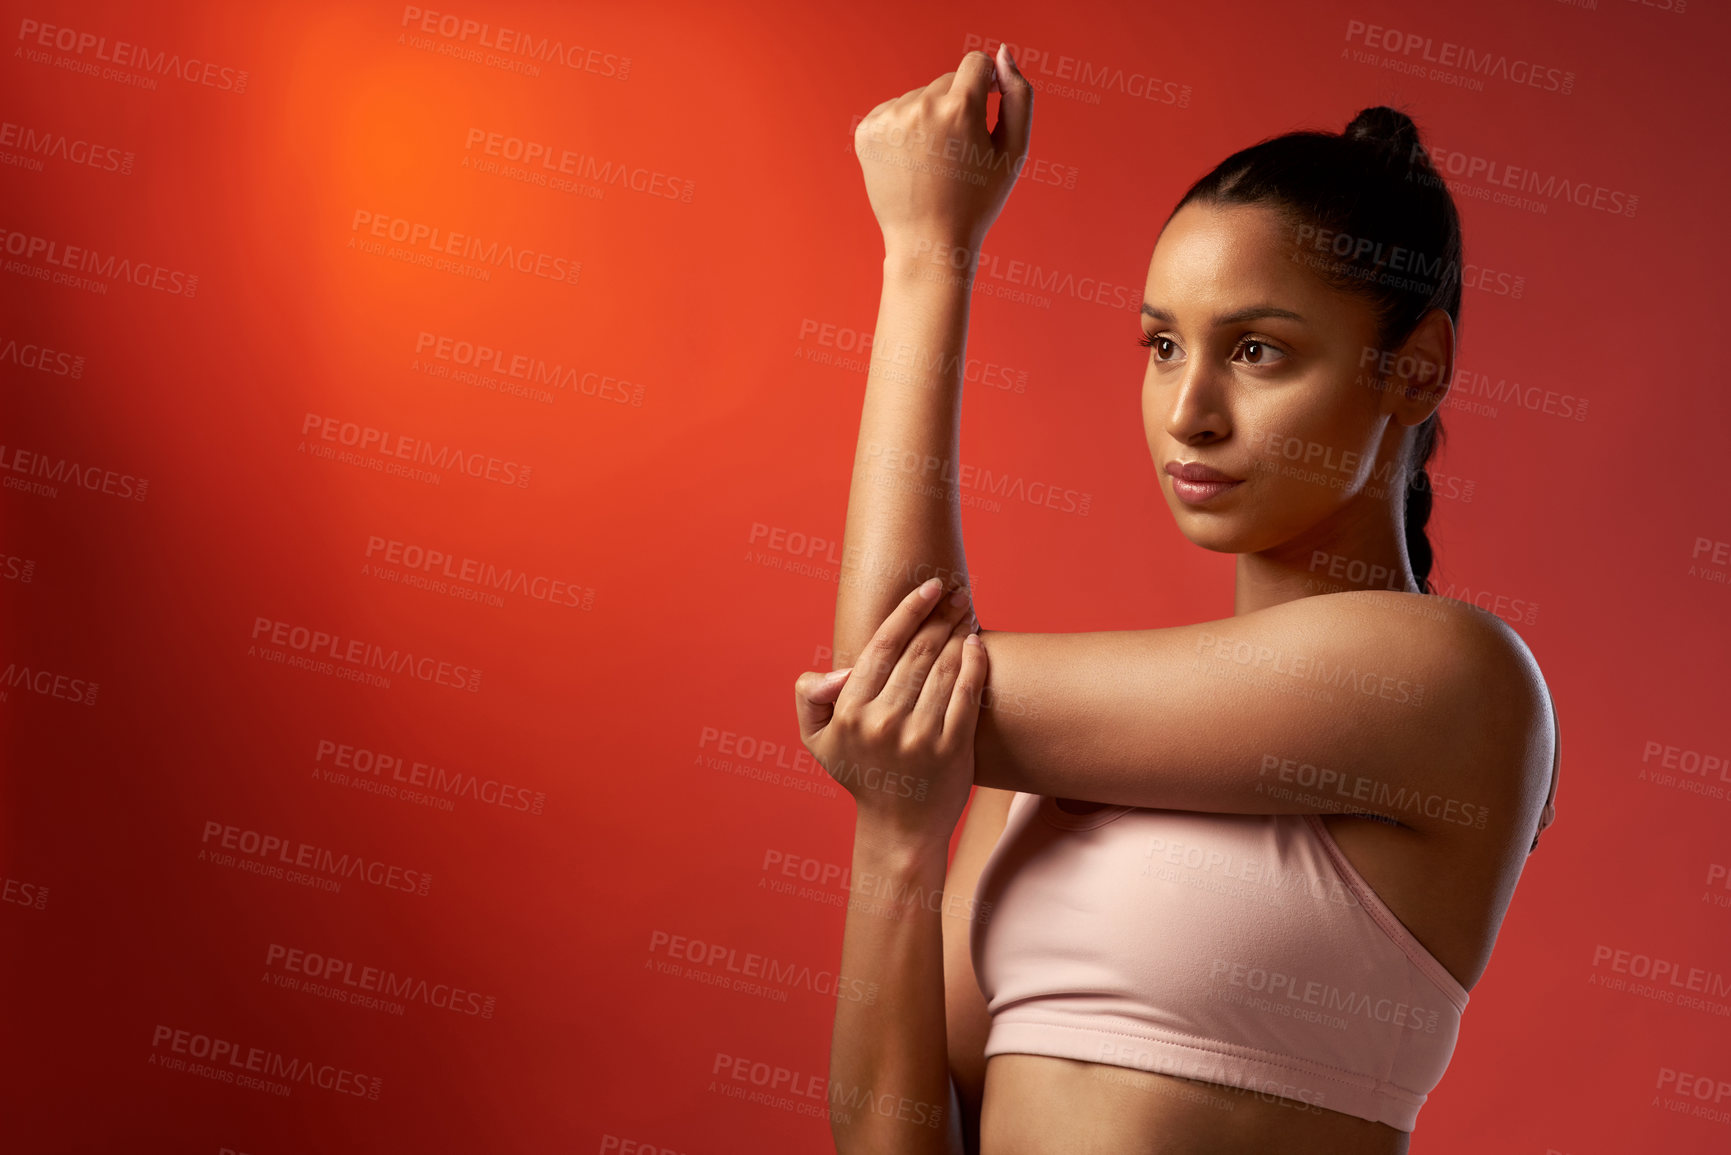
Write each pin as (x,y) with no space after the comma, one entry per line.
(1383,126)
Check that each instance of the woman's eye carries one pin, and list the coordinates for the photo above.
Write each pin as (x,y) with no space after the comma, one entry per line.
(1263,349)
(1158,344)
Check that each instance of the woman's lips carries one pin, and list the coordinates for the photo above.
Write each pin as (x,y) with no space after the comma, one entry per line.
(1195,483)
(1198,492)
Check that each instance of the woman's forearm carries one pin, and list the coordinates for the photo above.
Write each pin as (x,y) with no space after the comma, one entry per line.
(904,522)
(890,1087)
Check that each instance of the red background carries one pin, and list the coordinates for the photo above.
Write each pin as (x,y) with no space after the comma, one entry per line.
(687,486)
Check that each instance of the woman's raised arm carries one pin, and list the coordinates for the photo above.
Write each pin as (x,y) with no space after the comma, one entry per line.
(936,180)
(904,523)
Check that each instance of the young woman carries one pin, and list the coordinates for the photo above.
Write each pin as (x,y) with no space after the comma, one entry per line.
(1222,887)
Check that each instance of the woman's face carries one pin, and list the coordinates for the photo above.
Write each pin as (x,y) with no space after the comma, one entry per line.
(1263,372)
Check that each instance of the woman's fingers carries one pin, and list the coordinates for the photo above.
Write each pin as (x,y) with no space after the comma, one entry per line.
(814,697)
(873,666)
(903,689)
(963,712)
(973,80)
(939,86)
(1015,107)
(935,694)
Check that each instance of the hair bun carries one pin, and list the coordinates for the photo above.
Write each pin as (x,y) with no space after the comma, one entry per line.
(1381,125)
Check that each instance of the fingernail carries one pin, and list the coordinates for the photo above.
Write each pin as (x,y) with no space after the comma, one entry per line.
(959,598)
(931,587)
(835,676)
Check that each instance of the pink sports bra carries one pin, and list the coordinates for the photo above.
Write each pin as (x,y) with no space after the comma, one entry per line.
(1241,949)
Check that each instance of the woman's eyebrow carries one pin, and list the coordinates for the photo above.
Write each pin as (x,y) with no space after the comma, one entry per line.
(1248,313)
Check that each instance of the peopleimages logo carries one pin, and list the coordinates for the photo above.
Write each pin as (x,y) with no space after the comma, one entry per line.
(48,683)
(34,144)
(229,1062)
(1079,79)
(1548,187)
(21,893)
(357,654)
(382,767)
(42,359)
(1450,62)
(64,471)
(370,980)
(528,367)
(275,851)
(1281,990)
(544,163)
(467,37)
(715,961)
(35,34)
(82,260)
(47,472)
(436,240)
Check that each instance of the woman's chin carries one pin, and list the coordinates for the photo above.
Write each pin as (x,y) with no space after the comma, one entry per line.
(1210,533)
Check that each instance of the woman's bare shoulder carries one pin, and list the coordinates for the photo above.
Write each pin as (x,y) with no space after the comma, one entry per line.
(1485,635)
(1515,714)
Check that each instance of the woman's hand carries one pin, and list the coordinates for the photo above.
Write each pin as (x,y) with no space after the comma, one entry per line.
(933,173)
(900,733)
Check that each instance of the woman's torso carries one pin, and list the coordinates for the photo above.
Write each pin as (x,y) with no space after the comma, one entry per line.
(1445,889)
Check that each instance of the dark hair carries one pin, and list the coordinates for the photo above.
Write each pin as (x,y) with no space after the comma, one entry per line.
(1373,185)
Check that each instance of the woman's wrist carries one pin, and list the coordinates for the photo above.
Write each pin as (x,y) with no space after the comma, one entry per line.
(930,257)
(891,849)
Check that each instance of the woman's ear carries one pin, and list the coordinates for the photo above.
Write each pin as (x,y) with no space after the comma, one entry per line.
(1421,370)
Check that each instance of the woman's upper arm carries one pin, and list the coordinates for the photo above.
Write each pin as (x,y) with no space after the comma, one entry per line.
(966,1020)
(1421,708)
